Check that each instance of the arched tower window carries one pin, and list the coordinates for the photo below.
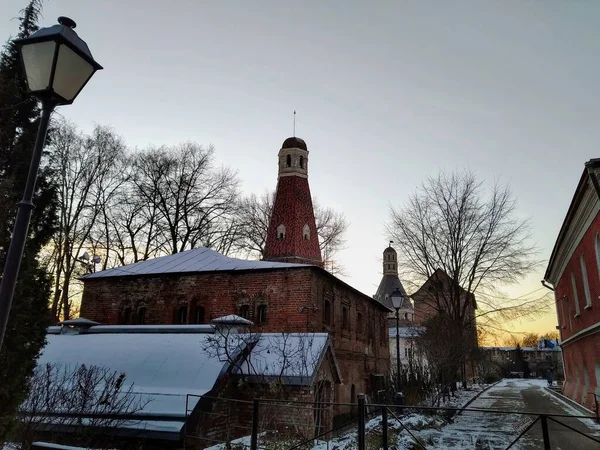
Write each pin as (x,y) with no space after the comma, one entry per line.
(302,162)
(281,232)
(306,232)
(288,161)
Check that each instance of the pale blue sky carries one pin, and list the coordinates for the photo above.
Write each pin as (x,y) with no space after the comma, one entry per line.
(386,93)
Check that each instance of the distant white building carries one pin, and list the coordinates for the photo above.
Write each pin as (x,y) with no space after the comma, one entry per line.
(409,351)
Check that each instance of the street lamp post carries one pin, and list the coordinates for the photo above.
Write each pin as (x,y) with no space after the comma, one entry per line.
(397,302)
(57,65)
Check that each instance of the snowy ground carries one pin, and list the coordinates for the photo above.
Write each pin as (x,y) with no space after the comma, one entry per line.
(476,429)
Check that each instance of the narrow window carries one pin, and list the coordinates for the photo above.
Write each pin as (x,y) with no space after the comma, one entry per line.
(281,232)
(575,296)
(181,315)
(288,161)
(200,314)
(345,324)
(262,313)
(141,315)
(127,315)
(586,286)
(405,316)
(597,245)
(327,312)
(405,352)
(306,232)
(359,323)
(302,162)
(244,311)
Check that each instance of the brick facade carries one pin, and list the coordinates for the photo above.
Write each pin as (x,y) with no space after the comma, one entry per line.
(574,271)
(292,233)
(287,300)
(582,355)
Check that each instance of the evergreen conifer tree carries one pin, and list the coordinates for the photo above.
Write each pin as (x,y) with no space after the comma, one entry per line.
(29,317)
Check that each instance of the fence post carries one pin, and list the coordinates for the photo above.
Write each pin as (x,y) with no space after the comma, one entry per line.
(361,421)
(384,426)
(545,434)
(254,437)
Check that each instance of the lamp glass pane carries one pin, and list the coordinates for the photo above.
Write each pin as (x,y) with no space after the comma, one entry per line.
(396,301)
(72,72)
(37,59)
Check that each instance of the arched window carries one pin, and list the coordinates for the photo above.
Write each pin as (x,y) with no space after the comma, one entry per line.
(405,316)
(575,296)
(126,315)
(181,316)
(306,232)
(262,313)
(586,286)
(281,231)
(327,313)
(302,162)
(244,311)
(288,161)
(200,314)
(345,319)
(141,315)
(359,323)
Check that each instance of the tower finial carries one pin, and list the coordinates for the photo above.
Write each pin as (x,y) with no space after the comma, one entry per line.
(391,242)
(294,123)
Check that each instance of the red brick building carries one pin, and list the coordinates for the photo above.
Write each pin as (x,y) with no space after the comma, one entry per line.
(574,272)
(198,285)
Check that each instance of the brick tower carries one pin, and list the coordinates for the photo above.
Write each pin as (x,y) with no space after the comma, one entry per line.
(292,234)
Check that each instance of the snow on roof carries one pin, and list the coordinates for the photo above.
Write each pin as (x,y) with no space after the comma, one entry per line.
(293,357)
(200,259)
(163,367)
(232,319)
(405,332)
(80,321)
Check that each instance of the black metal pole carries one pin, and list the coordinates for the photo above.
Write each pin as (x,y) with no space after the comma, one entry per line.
(398,382)
(21,227)
(254,437)
(361,421)
(384,426)
(545,433)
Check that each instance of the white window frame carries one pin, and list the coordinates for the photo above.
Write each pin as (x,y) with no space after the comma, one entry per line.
(575,296)
(586,286)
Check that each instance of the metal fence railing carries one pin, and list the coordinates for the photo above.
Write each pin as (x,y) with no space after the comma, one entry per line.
(371,426)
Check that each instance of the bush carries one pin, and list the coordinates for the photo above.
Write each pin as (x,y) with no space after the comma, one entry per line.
(491,378)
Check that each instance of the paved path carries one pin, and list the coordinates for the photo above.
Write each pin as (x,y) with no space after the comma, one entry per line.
(496,431)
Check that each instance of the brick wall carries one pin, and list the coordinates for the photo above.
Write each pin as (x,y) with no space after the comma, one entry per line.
(581,357)
(296,301)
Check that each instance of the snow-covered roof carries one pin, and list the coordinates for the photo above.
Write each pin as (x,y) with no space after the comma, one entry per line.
(405,332)
(163,367)
(232,319)
(165,363)
(292,357)
(199,259)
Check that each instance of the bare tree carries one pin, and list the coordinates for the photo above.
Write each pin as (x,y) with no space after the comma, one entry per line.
(255,214)
(85,169)
(78,399)
(455,226)
(191,203)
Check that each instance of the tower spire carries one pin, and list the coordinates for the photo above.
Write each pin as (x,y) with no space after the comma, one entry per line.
(292,233)
(294,123)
